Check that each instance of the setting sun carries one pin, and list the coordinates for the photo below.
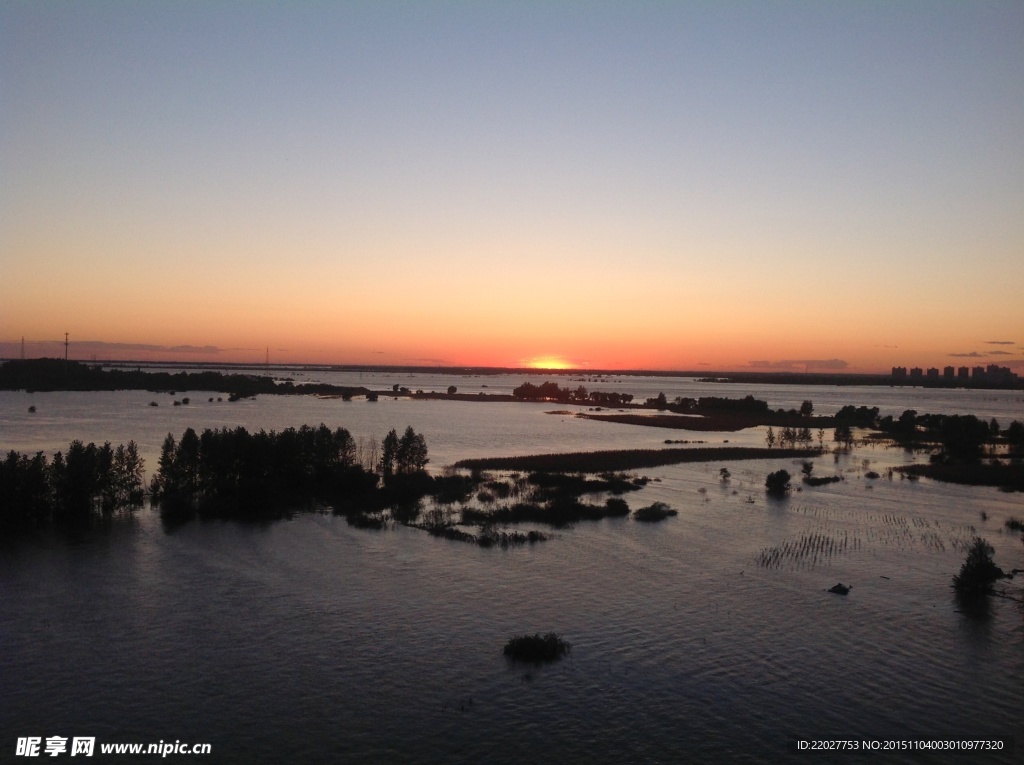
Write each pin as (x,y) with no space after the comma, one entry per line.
(549,362)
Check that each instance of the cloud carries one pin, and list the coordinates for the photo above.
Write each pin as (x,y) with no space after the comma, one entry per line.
(801,364)
(1000,342)
(96,347)
(983,354)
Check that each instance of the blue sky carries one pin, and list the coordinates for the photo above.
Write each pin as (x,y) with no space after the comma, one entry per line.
(618,184)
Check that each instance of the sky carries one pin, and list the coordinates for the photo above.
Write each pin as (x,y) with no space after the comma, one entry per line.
(824,186)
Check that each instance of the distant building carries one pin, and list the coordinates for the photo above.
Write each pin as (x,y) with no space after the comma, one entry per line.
(993,376)
(999,375)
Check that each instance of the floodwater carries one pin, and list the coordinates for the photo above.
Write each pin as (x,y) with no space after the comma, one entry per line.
(709,637)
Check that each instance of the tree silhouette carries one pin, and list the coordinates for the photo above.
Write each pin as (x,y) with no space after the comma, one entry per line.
(388,453)
(777,483)
(978,571)
(411,453)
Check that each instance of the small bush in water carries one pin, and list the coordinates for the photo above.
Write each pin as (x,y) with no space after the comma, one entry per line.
(659,511)
(537,648)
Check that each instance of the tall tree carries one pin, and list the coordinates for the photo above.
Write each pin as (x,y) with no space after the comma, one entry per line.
(411,454)
(388,453)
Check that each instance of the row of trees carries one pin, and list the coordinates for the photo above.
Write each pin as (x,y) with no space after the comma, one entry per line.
(238,466)
(59,374)
(404,455)
(34,491)
(790,437)
(858,416)
(231,467)
(550,391)
(962,436)
(229,462)
(746,405)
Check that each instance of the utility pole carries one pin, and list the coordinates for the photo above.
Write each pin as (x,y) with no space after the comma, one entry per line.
(65,348)
(22,347)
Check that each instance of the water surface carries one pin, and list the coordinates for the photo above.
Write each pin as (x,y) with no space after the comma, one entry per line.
(709,637)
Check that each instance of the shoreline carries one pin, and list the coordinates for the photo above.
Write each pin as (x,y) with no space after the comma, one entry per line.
(841,379)
(611,460)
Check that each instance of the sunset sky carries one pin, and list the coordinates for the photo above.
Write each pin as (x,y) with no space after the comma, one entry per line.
(659,185)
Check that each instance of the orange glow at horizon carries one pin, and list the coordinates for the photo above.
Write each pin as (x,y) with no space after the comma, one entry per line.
(549,362)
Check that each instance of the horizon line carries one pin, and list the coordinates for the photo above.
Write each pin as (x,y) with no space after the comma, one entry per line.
(462,368)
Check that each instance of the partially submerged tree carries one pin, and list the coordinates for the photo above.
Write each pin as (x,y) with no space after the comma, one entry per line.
(537,648)
(777,483)
(843,435)
(978,572)
(653,513)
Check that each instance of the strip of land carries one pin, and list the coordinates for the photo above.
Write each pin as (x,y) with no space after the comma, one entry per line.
(717,422)
(627,459)
(1006,476)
